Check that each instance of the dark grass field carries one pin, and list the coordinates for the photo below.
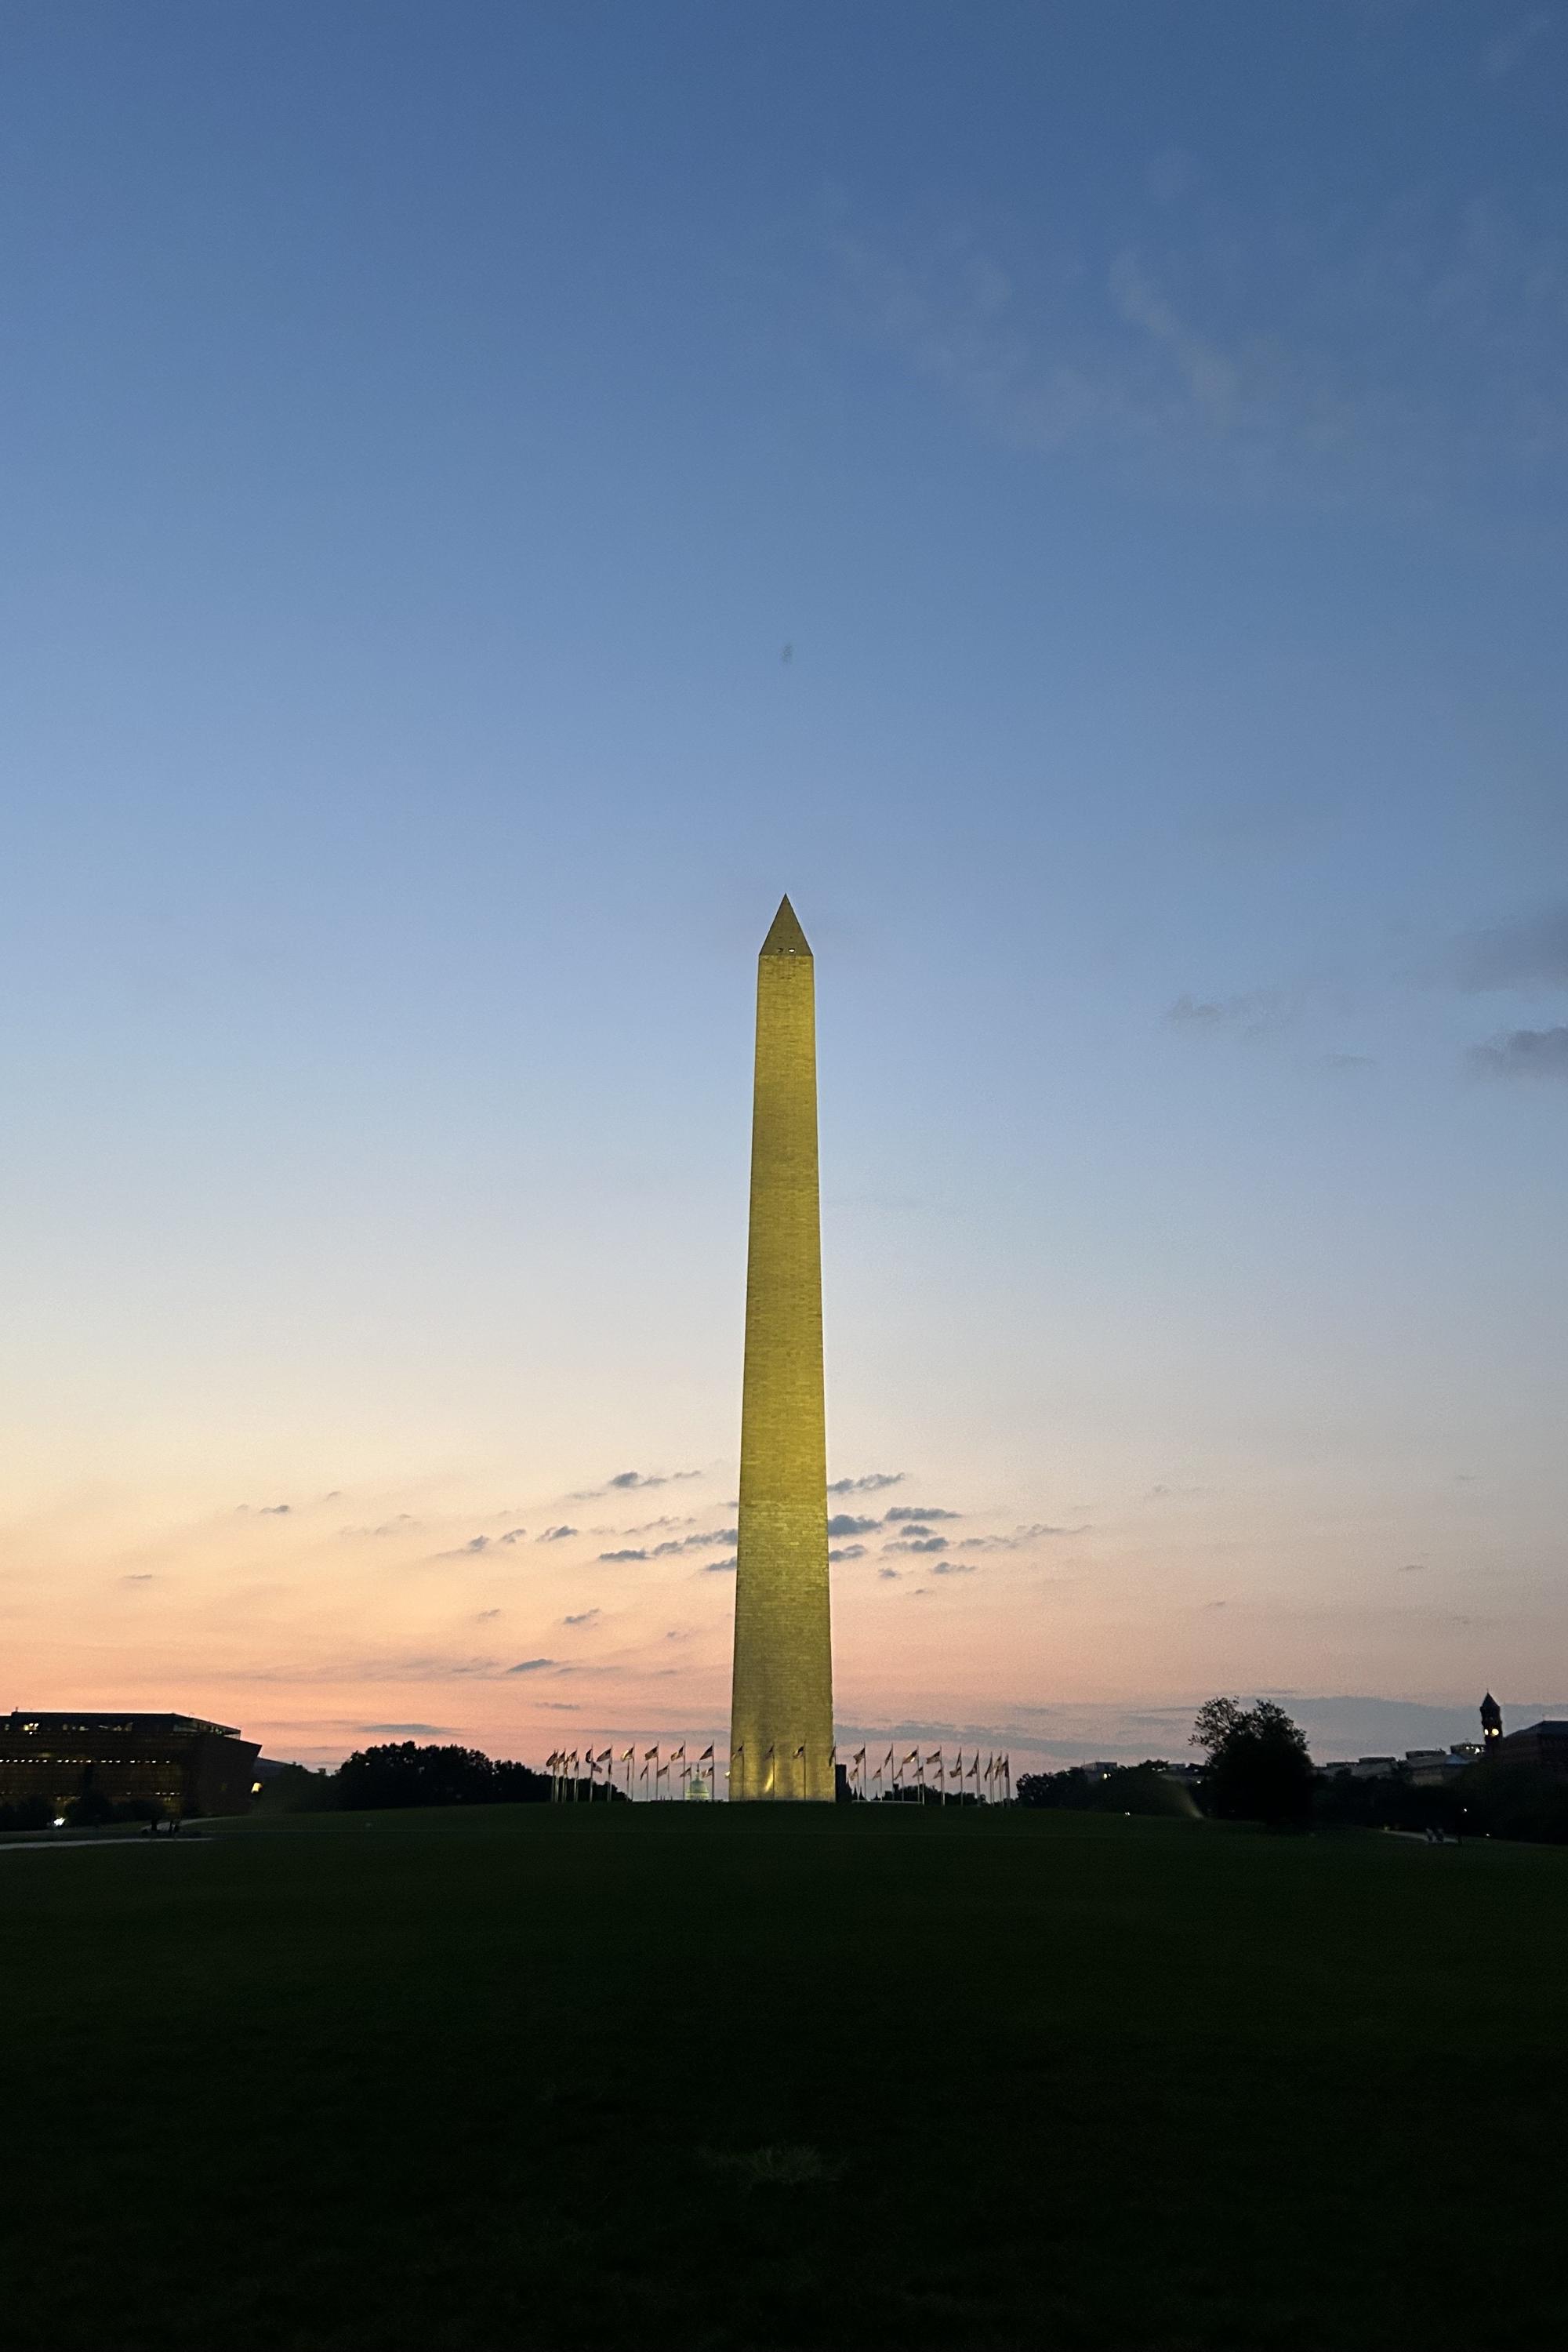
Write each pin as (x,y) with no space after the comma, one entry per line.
(676,2078)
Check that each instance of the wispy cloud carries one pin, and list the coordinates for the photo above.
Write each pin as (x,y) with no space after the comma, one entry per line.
(403,1731)
(871,1484)
(625,1482)
(673,1549)
(1528,952)
(1513,45)
(918,1543)
(919,1511)
(1524,1053)
(1020,1539)
(555,1535)
(846,1552)
(531,1666)
(583,1617)
(845,1523)
(1254,1013)
(1327,354)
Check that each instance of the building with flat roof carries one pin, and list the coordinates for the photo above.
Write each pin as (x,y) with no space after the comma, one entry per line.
(1544,1745)
(177,1762)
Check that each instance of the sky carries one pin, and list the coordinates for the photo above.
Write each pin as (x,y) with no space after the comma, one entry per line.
(492,497)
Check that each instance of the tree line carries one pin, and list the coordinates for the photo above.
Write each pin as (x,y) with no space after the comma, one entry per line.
(401,1773)
(1255,1768)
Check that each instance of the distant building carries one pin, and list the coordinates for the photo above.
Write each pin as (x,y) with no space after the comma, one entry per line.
(175,1761)
(1375,1767)
(1544,1745)
(1491,1724)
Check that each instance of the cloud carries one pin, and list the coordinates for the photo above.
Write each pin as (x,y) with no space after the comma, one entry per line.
(953,1568)
(584,1617)
(1171,174)
(143,1575)
(845,1523)
(720,1568)
(1413,1567)
(918,1543)
(406,1729)
(872,1483)
(484,1613)
(846,1552)
(915,1527)
(1020,1537)
(1503,55)
(555,1535)
(703,1540)
(531,1666)
(1531,952)
(1254,1013)
(920,1511)
(625,1482)
(1209,376)
(1304,351)
(514,1535)
(262,1510)
(891,1574)
(466,1551)
(402,1525)
(1522,1053)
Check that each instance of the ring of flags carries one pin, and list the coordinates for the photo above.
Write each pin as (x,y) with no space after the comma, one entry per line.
(919,1778)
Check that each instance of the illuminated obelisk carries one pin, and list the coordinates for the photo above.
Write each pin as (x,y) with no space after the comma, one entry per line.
(781,1715)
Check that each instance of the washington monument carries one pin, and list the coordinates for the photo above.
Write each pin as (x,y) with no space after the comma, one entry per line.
(781,1712)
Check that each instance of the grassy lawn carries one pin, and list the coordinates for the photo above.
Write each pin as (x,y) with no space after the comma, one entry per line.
(664,2077)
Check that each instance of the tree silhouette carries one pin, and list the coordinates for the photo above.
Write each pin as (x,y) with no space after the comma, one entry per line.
(1257,1767)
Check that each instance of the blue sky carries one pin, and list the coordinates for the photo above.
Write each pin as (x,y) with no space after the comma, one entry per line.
(493,496)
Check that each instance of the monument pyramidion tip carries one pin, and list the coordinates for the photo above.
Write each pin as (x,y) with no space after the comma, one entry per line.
(786,938)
